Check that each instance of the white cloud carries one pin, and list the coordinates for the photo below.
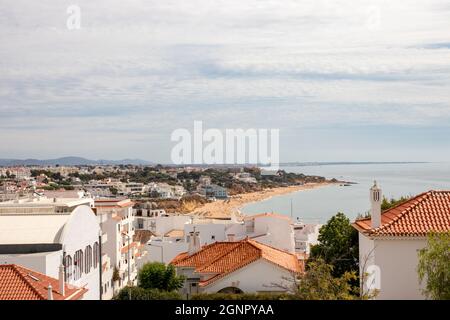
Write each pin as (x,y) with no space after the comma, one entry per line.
(141,68)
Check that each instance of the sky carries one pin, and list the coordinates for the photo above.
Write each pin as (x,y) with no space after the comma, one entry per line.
(342,80)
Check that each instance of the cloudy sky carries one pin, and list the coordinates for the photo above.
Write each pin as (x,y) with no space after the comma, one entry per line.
(342,80)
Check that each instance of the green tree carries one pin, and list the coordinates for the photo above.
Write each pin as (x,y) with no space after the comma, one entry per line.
(390,203)
(434,266)
(338,245)
(157,275)
(318,283)
(113,190)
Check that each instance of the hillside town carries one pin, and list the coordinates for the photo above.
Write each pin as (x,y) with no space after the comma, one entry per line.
(90,233)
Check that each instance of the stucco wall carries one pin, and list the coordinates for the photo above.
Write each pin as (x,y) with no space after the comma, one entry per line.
(82,230)
(258,276)
(46,263)
(397,261)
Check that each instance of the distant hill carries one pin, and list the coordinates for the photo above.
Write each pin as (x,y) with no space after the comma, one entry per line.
(69,161)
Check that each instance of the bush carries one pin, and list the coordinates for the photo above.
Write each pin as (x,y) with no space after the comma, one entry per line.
(434,266)
(242,296)
(138,293)
(157,275)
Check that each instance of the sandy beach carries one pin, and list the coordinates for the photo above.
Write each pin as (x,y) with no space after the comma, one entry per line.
(221,209)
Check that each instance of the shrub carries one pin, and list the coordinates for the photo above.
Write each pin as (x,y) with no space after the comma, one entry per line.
(138,293)
(242,296)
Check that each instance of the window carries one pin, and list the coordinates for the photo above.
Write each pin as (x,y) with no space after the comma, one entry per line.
(67,268)
(78,264)
(88,259)
(96,254)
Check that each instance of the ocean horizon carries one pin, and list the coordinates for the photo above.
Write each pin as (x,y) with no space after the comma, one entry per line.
(318,205)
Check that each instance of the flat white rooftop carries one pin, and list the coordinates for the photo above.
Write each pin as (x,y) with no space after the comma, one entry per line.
(42,205)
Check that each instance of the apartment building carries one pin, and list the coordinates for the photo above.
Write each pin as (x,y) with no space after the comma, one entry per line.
(45,234)
(116,221)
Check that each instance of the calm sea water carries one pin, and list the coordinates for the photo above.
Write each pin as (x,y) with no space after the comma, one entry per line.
(319,205)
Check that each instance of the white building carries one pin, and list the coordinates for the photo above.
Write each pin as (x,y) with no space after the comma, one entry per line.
(245,177)
(171,233)
(130,188)
(168,230)
(99,189)
(42,233)
(116,220)
(306,235)
(235,267)
(389,242)
(167,191)
(213,191)
(272,229)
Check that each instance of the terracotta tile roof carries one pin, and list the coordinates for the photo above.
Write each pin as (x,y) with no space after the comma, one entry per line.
(427,212)
(20,283)
(221,258)
(113,203)
(175,233)
(142,236)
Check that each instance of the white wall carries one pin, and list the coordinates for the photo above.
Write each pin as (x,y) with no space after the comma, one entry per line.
(207,231)
(46,263)
(398,260)
(280,232)
(81,230)
(163,224)
(259,276)
(170,251)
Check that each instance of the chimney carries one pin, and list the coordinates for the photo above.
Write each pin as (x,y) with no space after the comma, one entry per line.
(231,237)
(375,202)
(62,286)
(49,292)
(194,242)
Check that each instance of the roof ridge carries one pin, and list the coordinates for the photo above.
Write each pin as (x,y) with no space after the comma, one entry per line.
(196,253)
(266,245)
(276,249)
(20,271)
(420,198)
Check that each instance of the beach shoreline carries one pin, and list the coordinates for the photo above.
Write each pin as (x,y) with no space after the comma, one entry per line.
(226,209)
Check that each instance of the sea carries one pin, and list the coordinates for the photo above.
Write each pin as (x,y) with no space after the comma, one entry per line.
(319,205)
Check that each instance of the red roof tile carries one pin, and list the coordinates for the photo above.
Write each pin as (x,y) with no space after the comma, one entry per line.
(19,283)
(222,258)
(427,212)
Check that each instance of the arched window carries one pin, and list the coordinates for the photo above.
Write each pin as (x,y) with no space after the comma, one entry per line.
(96,253)
(78,264)
(67,268)
(88,259)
